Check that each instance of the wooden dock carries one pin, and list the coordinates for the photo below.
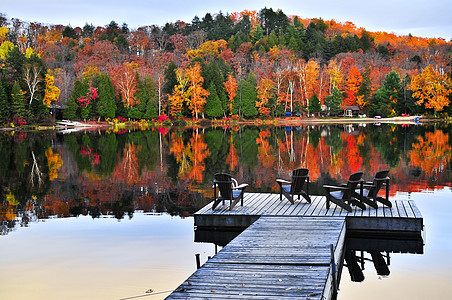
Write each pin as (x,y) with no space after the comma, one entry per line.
(402,216)
(275,258)
(284,252)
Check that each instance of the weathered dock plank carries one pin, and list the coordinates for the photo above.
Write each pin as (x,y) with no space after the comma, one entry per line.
(275,258)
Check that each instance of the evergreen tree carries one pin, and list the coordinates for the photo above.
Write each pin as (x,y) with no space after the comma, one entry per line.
(245,103)
(17,102)
(384,102)
(170,78)
(72,110)
(106,104)
(314,105)
(333,102)
(365,40)
(213,104)
(272,40)
(365,90)
(148,89)
(69,32)
(4,104)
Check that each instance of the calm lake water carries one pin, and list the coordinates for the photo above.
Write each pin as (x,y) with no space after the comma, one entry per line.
(108,215)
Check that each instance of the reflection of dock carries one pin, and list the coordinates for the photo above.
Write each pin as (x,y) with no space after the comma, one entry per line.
(286,253)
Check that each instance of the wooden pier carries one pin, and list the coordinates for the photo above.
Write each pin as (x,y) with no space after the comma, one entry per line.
(403,216)
(275,258)
(285,251)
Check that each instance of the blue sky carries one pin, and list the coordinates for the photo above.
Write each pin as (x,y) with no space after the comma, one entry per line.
(420,18)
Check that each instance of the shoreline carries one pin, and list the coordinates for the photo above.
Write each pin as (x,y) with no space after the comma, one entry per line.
(74,126)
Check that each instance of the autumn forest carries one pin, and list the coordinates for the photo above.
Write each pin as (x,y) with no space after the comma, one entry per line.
(242,65)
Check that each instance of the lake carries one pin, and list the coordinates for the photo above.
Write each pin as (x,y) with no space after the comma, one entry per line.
(108,214)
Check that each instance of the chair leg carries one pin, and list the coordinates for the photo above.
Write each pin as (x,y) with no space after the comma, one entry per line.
(341,203)
(384,201)
(306,196)
(358,203)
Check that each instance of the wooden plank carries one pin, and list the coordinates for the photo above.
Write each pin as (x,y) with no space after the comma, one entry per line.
(312,207)
(300,210)
(270,209)
(394,210)
(387,211)
(415,209)
(263,201)
(409,211)
(372,211)
(380,212)
(318,208)
(298,205)
(401,209)
(267,202)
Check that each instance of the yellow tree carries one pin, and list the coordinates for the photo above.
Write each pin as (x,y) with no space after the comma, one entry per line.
(3,34)
(432,88)
(180,93)
(335,73)
(198,93)
(263,93)
(308,74)
(51,91)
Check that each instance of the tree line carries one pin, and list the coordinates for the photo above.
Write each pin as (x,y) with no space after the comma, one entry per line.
(245,64)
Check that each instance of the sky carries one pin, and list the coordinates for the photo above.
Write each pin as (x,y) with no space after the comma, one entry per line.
(419,17)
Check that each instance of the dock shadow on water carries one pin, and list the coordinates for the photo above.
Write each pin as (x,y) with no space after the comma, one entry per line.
(63,180)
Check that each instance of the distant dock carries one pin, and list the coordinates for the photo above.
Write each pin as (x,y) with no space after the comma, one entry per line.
(287,250)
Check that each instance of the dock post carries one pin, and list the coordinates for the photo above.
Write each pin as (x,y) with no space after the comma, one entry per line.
(198,263)
(333,273)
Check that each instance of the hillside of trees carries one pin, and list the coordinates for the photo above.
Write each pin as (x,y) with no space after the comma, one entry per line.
(241,65)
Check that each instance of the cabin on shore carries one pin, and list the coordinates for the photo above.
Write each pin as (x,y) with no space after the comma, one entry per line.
(351,111)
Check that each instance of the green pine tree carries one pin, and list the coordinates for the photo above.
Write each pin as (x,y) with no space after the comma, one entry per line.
(384,102)
(106,103)
(333,102)
(245,104)
(213,104)
(17,102)
(151,108)
(4,104)
(314,105)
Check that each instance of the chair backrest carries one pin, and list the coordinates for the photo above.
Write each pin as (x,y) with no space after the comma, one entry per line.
(224,182)
(299,177)
(352,183)
(378,182)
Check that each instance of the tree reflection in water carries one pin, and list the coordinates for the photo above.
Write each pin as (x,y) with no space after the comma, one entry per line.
(107,173)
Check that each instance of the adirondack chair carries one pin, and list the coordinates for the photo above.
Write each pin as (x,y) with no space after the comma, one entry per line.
(343,196)
(228,189)
(370,192)
(295,187)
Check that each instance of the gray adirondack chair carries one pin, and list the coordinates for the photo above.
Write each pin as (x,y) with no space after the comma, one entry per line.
(228,189)
(295,187)
(344,196)
(370,191)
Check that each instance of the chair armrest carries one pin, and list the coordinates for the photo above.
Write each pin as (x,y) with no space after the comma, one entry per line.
(335,187)
(283,181)
(240,187)
(369,185)
(382,179)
